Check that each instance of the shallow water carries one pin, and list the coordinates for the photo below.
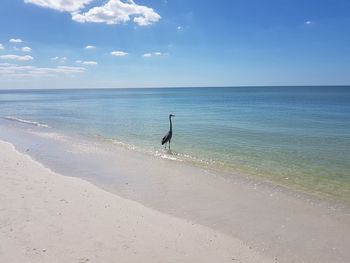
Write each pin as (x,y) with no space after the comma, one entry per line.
(295,136)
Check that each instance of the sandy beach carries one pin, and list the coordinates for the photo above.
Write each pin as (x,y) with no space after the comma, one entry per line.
(47,217)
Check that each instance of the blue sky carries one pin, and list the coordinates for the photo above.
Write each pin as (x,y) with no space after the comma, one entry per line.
(164,43)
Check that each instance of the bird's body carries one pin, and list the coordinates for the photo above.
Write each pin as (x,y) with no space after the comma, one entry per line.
(167,138)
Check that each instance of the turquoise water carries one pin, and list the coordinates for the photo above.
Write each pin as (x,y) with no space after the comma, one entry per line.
(295,136)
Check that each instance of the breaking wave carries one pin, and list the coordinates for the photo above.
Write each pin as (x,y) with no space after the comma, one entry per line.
(38,124)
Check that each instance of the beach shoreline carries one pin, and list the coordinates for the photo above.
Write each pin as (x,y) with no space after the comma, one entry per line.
(46,217)
(274,223)
(12,130)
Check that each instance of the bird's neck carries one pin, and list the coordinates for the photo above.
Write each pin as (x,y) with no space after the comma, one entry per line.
(171,124)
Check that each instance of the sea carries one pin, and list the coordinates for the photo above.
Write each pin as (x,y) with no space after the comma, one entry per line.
(297,137)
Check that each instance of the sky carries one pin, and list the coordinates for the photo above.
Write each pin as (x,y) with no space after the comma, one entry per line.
(173,43)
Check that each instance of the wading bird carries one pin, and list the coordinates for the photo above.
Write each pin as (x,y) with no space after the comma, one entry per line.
(167,137)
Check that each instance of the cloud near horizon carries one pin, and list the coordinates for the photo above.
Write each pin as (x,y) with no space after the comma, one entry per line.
(148,55)
(119,53)
(88,63)
(16,57)
(13,70)
(113,12)
(60,59)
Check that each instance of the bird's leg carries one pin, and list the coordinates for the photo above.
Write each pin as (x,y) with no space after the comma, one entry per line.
(164,146)
(169,145)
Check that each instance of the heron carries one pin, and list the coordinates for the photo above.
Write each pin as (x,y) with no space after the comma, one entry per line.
(167,137)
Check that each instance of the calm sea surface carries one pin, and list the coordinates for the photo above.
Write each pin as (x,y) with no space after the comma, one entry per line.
(295,136)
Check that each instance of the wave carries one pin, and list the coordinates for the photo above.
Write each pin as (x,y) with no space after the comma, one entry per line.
(161,153)
(38,124)
(168,155)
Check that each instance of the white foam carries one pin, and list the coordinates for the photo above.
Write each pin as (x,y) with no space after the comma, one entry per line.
(122,144)
(11,118)
(168,155)
(52,135)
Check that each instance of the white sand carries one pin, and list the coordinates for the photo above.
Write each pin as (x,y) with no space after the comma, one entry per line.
(47,217)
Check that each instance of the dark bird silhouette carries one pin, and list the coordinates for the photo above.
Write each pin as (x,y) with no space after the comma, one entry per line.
(167,137)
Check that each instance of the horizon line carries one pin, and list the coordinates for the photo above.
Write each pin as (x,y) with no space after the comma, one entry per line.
(181,87)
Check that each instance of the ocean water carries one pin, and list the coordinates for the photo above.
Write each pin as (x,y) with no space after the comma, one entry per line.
(298,137)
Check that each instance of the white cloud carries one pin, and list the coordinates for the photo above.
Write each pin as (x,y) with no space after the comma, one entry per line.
(67,69)
(16,40)
(61,5)
(1,46)
(60,59)
(308,22)
(179,28)
(7,64)
(15,57)
(148,55)
(113,12)
(63,60)
(88,63)
(119,53)
(12,70)
(90,47)
(26,49)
